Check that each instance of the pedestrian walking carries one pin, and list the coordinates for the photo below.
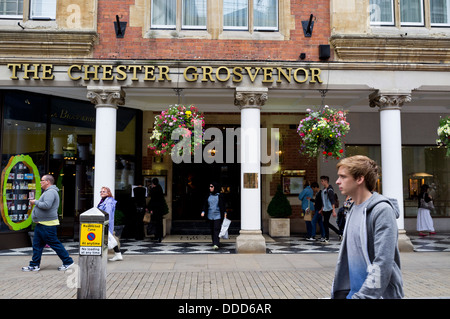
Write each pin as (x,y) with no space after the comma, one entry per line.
(328,208)
(317,218)
(424,220)
(368,264)
(108,204)
(305,197)
(342,213)
(45,215)
(214,207)
(156,207)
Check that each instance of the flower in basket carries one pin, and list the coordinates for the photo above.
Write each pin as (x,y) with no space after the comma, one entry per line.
(322,132)
(175,122)
(443,132)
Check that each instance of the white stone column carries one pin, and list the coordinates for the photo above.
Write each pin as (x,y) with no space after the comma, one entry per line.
(106,100)
(390,104)
(249,101)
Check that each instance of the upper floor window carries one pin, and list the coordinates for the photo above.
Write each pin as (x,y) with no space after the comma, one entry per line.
(440,12)
(39,9)
(411,12)
(263,13)
(164,14)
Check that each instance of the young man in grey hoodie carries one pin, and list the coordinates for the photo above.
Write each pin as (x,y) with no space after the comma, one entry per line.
(45,215)
(368,264)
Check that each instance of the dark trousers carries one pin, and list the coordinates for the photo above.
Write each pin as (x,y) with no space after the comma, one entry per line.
(327,225)
(216,225)
(47,235)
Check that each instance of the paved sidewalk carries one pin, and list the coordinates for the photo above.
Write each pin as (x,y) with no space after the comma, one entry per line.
(211,276)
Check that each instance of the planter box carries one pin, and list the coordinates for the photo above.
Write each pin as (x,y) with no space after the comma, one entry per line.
(279,227)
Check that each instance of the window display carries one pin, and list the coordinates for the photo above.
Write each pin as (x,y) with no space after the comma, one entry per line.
(18,186)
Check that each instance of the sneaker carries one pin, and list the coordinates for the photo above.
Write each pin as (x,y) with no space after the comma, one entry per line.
(64,267)
(324,240)
(215,247)
(31,268)
(340,237)
(311,239)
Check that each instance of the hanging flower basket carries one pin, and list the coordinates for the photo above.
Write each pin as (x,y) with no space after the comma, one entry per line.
(181,120)
(321,132)
(443,132)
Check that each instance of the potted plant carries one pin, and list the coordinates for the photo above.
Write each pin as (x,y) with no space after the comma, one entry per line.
(279,210)
(322,131)
(180,119)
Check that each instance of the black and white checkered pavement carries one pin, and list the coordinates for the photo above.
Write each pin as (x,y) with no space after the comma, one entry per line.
(280,245)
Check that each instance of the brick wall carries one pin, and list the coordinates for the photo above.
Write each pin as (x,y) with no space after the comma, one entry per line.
(134,46)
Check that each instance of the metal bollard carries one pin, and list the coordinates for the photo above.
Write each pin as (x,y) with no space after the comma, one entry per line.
(93,254)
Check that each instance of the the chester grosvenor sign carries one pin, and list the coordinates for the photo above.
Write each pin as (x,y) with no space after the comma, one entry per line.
(161,73)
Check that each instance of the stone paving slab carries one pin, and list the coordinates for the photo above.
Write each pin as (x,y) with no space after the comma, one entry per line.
(231,276)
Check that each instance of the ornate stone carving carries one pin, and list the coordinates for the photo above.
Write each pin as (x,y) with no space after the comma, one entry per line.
(106,96)
(250,99)
(388,100)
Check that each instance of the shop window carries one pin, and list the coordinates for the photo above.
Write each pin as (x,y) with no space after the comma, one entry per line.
(264,15)
(411,13)
(421,165)
(39,9)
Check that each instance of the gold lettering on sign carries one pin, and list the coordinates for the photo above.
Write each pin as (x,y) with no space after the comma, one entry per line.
(161,73)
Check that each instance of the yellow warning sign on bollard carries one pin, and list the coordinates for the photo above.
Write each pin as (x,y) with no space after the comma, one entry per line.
(91,237)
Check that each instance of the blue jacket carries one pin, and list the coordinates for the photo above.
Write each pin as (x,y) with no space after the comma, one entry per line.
(307,192)
(109,206)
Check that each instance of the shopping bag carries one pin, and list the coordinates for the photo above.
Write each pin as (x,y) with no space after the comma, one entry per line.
(308,215)
(224,230)
(147,218)
(112,242)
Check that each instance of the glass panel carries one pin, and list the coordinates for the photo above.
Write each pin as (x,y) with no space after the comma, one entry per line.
(194,14)
(421,165)
(43,9)
(23,132)
(440,12)
(164,13)
(265,14)
(235,14)
(71,154)
(381,12)
(11,8)
(411,12)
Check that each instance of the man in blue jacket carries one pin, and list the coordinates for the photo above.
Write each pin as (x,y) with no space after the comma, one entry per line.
(368,264)
(305,196)
(45,215)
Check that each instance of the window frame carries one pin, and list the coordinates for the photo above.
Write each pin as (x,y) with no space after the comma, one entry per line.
(414,24)
(442,25)
(275,28)
(13,16)
(37,17)
(384,23)
(163,26)
(193,27)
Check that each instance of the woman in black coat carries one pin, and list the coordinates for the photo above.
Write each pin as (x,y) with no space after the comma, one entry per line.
(156,208)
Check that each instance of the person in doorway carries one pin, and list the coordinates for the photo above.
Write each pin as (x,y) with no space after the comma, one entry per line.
(305,197)
(156,208)
(45,215)
(328,207)
(317,218)
(139,195)
(368,264)
(214,207)
(424,220)
(108,204)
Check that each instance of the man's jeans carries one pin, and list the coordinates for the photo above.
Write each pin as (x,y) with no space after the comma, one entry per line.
(317,218)
(47,235)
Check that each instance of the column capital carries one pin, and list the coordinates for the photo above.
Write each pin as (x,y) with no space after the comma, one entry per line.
(250,98)
(389,100)
(106,96)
